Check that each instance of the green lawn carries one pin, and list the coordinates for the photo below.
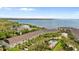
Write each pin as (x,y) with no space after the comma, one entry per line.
(58,47)
(13,49)
(16,48)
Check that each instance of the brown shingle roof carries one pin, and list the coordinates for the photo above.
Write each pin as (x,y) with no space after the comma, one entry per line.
(21,38)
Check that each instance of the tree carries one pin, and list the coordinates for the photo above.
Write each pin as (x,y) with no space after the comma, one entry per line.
(2,36)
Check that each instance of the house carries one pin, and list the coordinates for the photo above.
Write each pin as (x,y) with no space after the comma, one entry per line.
(12,42)
(64,35)
(24,27)
(75,33)
(75,49)
(59,37)
(3,44)
(25,49)
(52,43)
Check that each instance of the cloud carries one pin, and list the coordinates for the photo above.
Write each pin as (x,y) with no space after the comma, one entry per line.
(27,9)
(6,8)
(75,15)
(0,7)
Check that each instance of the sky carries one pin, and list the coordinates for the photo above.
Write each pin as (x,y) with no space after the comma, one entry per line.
(40,12)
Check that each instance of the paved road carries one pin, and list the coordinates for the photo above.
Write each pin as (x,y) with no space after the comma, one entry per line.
(22,38)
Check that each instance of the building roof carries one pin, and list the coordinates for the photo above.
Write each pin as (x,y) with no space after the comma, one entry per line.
(21,38)
(75,33)
(25,26)
(53,42)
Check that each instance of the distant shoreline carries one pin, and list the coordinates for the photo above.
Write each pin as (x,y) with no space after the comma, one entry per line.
(27,18)
(36,19)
